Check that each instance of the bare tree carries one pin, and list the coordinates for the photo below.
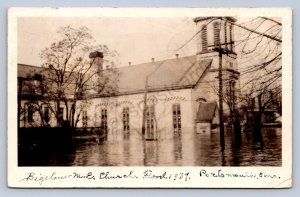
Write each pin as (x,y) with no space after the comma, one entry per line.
(260,51)
(31,90)
(69,72)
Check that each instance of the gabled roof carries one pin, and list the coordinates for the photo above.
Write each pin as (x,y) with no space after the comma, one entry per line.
(27,71)
(168,74)
(206,111)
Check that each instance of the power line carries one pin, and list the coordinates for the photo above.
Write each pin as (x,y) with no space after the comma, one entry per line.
(256,32)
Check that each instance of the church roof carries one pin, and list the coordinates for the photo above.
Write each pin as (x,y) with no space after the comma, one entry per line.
(206,111)
(168,74)
(162,75)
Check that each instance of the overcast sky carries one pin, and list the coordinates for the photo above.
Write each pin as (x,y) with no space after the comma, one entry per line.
(136,39)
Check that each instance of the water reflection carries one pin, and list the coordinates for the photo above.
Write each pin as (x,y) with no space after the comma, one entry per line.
(177,143)
(186,149)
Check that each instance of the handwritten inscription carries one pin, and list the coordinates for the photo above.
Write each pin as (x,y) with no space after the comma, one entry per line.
(149,174)
(222,174)
(108,175)
(33,177)
(171,175)
(84,176)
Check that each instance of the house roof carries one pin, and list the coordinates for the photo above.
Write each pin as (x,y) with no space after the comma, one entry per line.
(27,71)
(206,111)
(176,73)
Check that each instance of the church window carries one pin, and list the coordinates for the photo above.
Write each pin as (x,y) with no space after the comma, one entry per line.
(104,119)
(176,118)
(126,119)
(150,122)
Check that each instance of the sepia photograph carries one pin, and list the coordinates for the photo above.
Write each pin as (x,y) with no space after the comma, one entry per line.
(159,91)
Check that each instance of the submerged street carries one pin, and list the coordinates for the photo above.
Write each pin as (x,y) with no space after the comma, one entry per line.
(193,149)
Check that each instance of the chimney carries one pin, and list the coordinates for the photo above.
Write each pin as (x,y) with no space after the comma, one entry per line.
(96,58)
(152,59)
(177,55)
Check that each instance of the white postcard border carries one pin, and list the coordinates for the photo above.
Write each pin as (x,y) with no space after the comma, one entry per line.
(208,177)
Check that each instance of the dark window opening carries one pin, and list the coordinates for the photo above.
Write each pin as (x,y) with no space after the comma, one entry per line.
(30,112)
(60,116)
(46,114)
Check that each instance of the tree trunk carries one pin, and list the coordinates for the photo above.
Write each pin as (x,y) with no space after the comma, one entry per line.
(58,113)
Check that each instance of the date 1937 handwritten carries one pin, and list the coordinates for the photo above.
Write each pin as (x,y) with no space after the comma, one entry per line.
(149,174)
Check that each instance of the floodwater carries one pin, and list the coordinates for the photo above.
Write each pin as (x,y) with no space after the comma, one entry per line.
(188,149)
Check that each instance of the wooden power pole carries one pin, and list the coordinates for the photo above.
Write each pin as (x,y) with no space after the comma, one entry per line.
(222,141)
(221,51)
(145,106)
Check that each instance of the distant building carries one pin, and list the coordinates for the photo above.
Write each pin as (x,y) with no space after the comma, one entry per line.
(179,92)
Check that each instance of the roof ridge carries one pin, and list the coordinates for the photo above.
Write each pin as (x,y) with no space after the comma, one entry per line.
(29,65)
(134,65)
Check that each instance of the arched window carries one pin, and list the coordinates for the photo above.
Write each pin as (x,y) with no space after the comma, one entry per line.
(204,37)
(176,118)
(104,119)
(201,99)
(126,119)
(216,33)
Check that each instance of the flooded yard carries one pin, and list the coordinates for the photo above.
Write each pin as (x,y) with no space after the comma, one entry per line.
(263,149)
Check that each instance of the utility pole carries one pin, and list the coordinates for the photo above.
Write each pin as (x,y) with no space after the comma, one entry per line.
(222,141)
(221,51)
(145,106)
(145,97)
